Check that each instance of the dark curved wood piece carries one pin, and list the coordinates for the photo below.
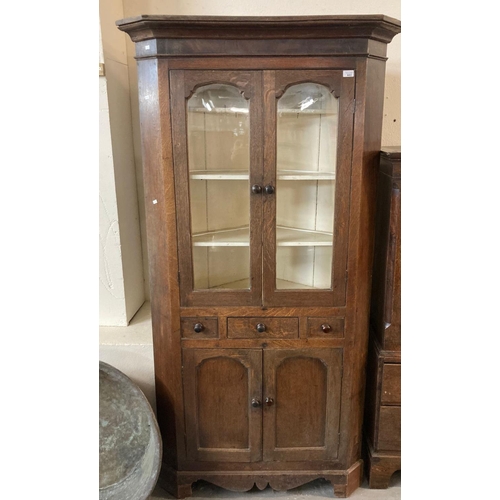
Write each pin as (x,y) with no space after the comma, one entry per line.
(286,79)
(244,81)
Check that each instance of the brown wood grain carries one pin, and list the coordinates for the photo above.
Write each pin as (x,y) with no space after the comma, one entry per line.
(391,384)
(367,138)
(303,422)
(344,482)
(197,50)
(263,311)
(154,110)
(219,386)
(374,369)
(269,178)
(257,467)
(389,431)
(380,466)
(385,313)
(376,27)
(264,343)
(263,63)
(209,331)
(347,106)
(178,47)
(382,422)
(314,327)
(245,328)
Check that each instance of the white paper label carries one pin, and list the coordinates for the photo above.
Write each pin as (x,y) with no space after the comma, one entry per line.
(349,73)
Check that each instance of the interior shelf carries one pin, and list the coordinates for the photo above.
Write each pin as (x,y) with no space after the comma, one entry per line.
(285,237)
(208,175)
(230,111)
(305,175)
(282,174)
(244,111)
(281,285)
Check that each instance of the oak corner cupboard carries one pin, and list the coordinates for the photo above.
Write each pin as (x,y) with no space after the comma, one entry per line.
(260,141)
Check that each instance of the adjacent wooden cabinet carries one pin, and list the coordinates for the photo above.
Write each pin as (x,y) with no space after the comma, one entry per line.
(260,140)
(383,396)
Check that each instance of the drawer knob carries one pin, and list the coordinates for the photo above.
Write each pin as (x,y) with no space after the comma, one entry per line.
(260,327)
(198,327)
(269,189)
(256,403)
(256,189)
(269,401)
(326,328)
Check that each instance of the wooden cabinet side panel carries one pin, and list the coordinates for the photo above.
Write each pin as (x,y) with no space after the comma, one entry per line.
(154,109)
(386,287)
(372,394)
(367,138)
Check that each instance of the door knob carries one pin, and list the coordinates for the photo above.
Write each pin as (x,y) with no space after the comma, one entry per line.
(269,189)
(256,189)
(269,401)
(260,327)
(256,403)
(198,327)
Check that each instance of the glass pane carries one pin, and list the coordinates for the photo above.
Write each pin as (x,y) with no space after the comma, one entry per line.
(219,160)
(307,126)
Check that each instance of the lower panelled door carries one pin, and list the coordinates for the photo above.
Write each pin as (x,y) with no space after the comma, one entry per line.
(222,397)
(242,409)
(301,405)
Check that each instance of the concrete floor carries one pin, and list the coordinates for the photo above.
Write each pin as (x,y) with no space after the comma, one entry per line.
(318,489)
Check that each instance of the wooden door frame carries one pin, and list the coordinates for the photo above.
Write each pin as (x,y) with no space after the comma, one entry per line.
(332,359)
(183,83)
(251,359)
(275,84)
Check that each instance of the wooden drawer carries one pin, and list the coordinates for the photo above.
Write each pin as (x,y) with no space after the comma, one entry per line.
(389,431)
(391,384)
(325,327)
(246,328)
(209,328)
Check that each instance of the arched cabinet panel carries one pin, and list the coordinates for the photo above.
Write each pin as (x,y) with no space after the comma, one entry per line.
(302,423)
(219,387)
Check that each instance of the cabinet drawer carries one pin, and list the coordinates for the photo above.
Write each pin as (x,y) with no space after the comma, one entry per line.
(325,327)
(208,327)
(391,384)
(248,328)
(389,433)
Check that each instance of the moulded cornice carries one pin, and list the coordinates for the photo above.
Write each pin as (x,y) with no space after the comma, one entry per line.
(375,27)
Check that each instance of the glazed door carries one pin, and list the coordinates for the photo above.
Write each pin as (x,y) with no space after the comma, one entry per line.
(218,144)
(308,120)
(301,404)
(222,394)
